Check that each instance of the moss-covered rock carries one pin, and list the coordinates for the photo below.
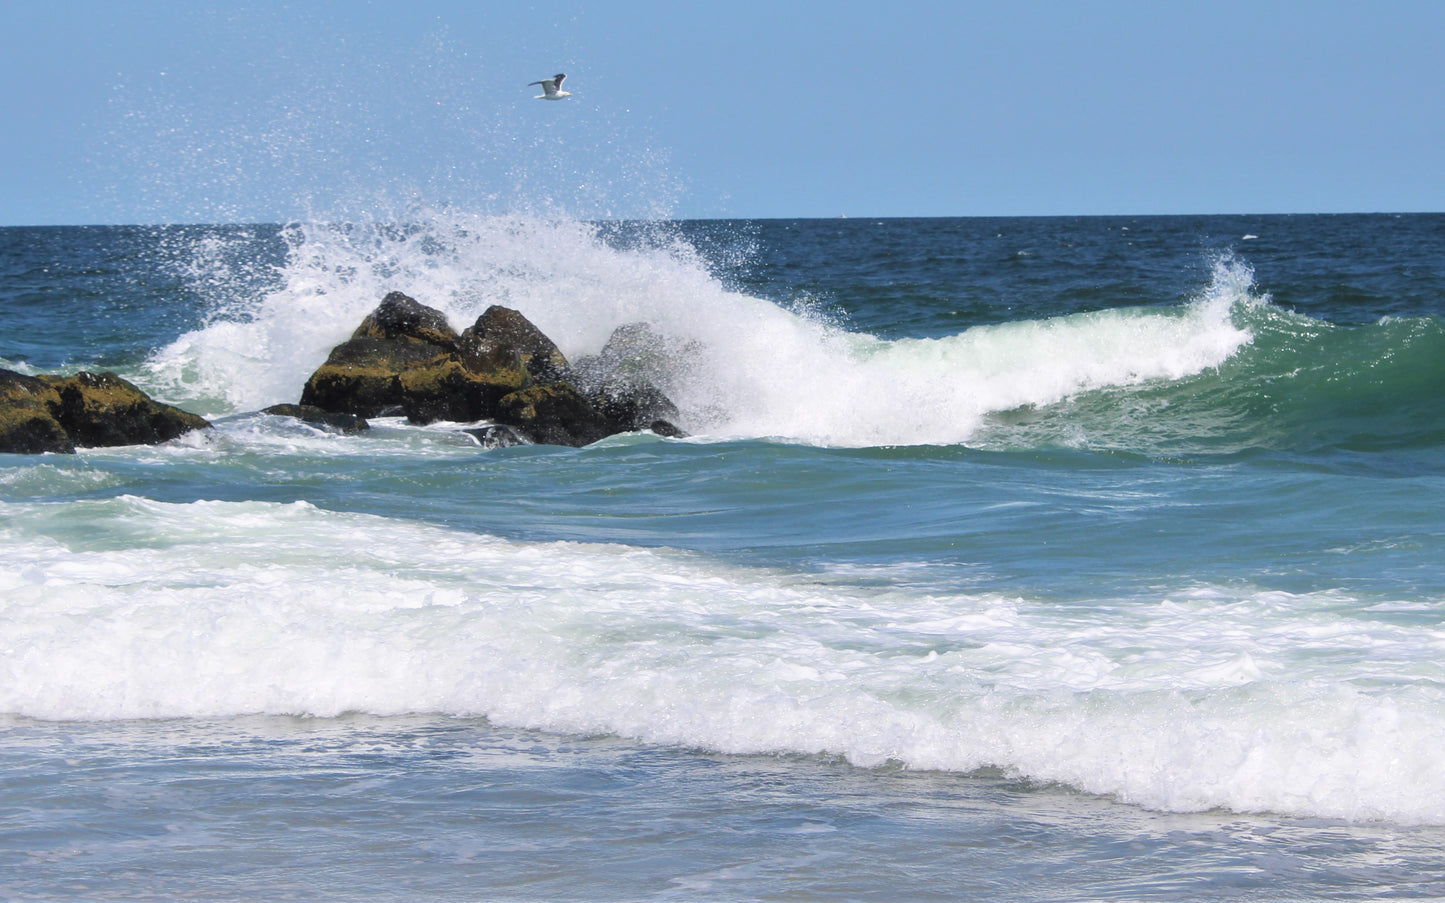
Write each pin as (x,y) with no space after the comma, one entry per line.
(450,391)
(87,410)
(555,414)
(362,376)
(28,425)
(504,339)
(405,359)
(101,409)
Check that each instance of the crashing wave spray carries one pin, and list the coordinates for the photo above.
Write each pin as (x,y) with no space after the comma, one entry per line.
(752,369)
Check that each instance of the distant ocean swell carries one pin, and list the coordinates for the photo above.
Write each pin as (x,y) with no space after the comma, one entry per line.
(1201,697)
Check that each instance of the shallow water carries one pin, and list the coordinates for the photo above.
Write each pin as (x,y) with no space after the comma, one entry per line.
(459,809)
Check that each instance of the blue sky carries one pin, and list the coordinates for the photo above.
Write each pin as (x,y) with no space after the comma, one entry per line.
(197,111)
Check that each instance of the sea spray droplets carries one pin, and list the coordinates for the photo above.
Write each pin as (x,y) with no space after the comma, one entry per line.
(559,273)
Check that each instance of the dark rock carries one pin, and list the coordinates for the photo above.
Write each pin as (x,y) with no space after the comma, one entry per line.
(502,368)
(623,379)
(401,317)
(405,358)
(555,414)
(504,339)
(87,410)
(634,407)
(362,376)
(635,353)
(663,428)
(28,425)
(346,423)
(101,409)
(448,390)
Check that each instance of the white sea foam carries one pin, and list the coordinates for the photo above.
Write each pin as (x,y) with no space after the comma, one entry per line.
(1205,697)
(753,368)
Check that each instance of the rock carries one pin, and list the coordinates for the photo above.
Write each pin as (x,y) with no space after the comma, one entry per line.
(101,409)
(634,407)
(502,339)
(622,379)
(405,358)
(346,423)
(635,353)
(663,428)
(28,425)
(87,410)
(555,414)
(451,391)
(362,376)
(402,317)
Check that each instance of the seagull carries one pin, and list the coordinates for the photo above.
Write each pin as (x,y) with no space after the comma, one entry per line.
(552,87)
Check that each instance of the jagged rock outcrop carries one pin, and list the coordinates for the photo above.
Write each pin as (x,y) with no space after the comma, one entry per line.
(364,375)
(401,317)
(405,359)
(504,339)
(87,410)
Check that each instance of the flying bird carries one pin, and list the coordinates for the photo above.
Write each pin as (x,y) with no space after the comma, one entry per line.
(552,87)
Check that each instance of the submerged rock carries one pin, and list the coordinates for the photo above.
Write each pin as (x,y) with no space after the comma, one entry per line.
(346,423)
(666,430)
(87,410)
(497,436)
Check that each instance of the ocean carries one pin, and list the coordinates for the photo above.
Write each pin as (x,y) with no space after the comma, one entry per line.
(1089,558)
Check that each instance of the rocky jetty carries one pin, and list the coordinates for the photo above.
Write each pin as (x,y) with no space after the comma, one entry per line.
(405,359)
(87,410)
